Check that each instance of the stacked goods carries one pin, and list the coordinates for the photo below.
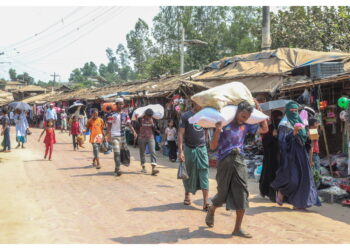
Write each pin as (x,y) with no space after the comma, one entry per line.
(220,105)
(158,111)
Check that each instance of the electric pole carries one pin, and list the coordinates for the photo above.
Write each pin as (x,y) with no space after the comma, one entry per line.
(182,45)
(184,42)
(266,37)
(54,80)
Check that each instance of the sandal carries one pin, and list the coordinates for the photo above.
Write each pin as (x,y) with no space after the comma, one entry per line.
(155,172)
(243,234)
(187,202)
(278,200)
(209,219)
(206,207)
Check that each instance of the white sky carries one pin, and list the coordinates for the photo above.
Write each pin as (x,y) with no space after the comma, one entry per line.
(56,50)
(63,48)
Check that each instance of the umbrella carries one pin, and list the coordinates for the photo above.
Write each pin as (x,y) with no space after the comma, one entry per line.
(75,107)
(276,104)
(20,105)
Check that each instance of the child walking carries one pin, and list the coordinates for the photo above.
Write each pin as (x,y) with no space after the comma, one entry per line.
(75,131)
(170,137)
(49,139)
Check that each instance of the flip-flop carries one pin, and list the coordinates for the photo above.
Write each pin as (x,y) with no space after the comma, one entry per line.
(187,202)
(206,207)
(209,219)
(243,234)
(155,172)
(278,201)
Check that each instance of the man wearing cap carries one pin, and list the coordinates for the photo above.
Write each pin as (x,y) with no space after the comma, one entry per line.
(147,128)
(51,114)
(116,133)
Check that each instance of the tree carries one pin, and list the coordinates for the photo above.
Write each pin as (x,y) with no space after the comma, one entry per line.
(227,30)
(140,46)
(312,27)
(13,74)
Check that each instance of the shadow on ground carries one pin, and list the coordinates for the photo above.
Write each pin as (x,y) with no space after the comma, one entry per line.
(111,173)
(171,236)
(164,208)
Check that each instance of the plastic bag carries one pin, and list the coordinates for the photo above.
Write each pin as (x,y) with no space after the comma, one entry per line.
(182,172)
(218,97)
(158,111)
(208,117)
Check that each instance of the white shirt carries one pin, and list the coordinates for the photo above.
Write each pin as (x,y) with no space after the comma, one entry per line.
(11,115)
(118,124)
(170,134)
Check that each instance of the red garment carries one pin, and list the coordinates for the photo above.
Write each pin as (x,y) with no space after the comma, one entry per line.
(50,137)
(147,128)
(315,147)
(75,128)
(49,147)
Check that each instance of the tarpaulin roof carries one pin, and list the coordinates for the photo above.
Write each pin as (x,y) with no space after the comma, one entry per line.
(272,62)
(261,84)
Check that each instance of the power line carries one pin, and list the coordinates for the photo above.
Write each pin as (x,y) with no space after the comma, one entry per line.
(31,42)
(72,31)
(63,47)
(47,28)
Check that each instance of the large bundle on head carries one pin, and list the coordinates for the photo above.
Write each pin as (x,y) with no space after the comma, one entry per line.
(227,94)
(158,111)
(208,117)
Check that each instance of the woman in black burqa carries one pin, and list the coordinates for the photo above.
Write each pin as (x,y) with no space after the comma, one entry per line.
(271,157)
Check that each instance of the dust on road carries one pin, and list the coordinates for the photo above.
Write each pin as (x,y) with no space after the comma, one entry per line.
(68,201)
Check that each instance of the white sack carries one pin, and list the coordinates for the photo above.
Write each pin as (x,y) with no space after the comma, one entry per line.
(227,94)
(158,111)
(208,117)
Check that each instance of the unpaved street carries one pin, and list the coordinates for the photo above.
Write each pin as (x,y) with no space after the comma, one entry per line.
(68,201)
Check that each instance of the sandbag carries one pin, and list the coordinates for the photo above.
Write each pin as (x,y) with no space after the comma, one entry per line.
(227,94)
(208,117)
(158,111)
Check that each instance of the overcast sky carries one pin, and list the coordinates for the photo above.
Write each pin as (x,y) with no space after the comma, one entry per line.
(44,40)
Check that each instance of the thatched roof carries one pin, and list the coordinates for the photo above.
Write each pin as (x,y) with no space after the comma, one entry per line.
(5,97)
(42,98)
(143,88)
(32,88)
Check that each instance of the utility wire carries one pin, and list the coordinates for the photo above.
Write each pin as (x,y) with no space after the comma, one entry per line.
(50,34)
(72,31)
(83,35)
(46,29)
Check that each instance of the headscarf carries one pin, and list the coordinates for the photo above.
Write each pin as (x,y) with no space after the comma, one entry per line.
(293,118)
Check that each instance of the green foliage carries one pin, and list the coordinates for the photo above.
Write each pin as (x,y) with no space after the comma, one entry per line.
(313,27)
(13,74)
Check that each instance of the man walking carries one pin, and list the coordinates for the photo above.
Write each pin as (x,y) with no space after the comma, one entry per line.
(116,133)
(51,115)
(194,154)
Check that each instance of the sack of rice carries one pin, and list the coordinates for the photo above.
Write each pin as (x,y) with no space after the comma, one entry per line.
(208,117)
(227,94)
(158,111)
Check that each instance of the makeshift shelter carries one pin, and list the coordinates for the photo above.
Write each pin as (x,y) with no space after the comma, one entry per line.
(28,91)
(5,97)
(267,71)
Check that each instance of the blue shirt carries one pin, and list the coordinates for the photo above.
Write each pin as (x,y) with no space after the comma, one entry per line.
(51,114)
(232,136)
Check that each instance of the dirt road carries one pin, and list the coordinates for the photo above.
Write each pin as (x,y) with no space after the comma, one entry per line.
(68,201)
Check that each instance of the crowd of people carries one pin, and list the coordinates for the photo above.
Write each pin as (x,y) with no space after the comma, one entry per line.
(287,174)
